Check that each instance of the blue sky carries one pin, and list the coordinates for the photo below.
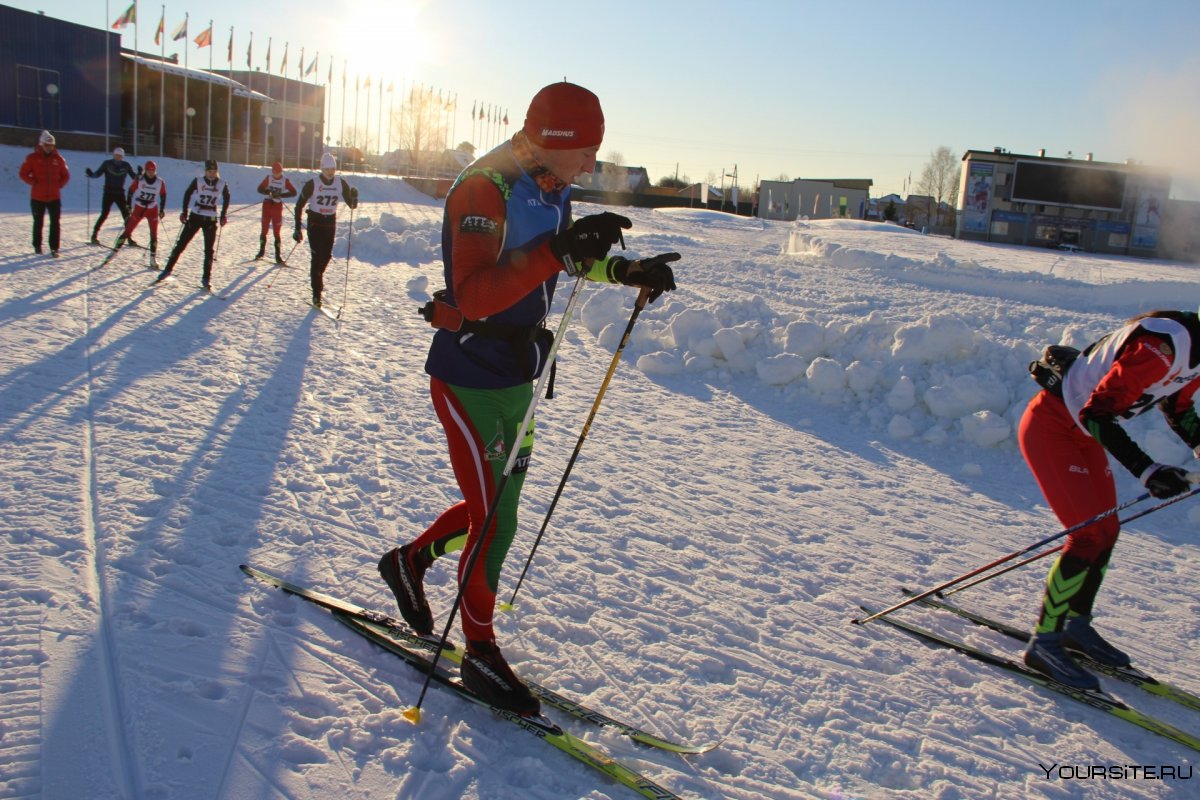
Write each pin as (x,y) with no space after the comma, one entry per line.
(795,89)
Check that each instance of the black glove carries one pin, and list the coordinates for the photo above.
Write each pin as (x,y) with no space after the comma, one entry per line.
(183,217)
(222,220)
(89,172)
(649,273)
(139,172)
(275,194)
(1164,481)
(353,201)
(297,236)
(588,238)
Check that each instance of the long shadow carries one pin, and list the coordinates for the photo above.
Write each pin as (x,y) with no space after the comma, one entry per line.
(172,701)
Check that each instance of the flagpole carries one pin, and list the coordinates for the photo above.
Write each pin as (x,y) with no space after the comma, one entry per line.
(266,127)
(354,139)
(392,113)
(283,122)
(229,100)
(135,78)
(249,83)
(162,83)
(107,78)
(316,62)
(328,121)
(379,127)
(186,40)
(208,110)
(367,125)
(342,130)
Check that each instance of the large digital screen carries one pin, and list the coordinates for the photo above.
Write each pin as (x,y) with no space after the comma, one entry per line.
(1063,185)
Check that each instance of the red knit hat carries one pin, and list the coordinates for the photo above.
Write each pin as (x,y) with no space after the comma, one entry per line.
(563,116)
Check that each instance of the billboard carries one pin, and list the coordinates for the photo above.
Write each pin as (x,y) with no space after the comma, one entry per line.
(1068,185)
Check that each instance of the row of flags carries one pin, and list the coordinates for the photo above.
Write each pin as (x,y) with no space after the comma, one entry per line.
(447,103)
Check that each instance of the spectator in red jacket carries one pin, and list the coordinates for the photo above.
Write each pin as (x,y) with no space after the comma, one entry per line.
(46,172)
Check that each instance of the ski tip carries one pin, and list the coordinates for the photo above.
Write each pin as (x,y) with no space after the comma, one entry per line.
(413,715)
(505,606)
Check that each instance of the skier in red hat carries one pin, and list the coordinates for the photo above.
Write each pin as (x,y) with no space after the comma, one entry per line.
(147,200)
(507,234)
(275,188)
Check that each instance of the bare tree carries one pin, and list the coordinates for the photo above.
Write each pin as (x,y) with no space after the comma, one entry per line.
(939,180)
(612,176)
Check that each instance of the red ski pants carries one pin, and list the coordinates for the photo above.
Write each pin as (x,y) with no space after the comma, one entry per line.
(1073,472)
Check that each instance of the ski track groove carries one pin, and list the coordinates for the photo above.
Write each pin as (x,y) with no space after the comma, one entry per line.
(125,768)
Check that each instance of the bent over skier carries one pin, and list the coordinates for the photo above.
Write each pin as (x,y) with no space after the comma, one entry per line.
(1066,435)
(506,236)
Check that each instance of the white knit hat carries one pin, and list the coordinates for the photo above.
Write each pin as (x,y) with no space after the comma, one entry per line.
(46,138)
(119,151)
(328,161)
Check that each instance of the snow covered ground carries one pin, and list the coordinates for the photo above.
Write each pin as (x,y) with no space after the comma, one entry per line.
(821,414)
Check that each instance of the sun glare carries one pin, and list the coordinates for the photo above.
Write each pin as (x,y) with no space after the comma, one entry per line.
(383,39)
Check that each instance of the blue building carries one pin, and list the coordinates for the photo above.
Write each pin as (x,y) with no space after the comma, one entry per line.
(79,83)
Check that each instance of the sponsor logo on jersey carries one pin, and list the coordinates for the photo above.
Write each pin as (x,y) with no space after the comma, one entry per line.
(477,224)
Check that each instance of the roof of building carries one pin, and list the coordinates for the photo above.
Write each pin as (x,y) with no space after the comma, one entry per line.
(195,74)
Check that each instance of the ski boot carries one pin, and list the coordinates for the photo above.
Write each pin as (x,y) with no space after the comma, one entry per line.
(485,672)
(405,575)
(1046,654)
(1079,635)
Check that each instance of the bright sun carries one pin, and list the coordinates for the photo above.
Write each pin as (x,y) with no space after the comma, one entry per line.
(383,39)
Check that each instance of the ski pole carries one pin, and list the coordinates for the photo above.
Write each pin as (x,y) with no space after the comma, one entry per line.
(289,256)
(413,714)
(999,561)
(240,209)
(1194,477)
(346,282)
(587,425)
(89,208)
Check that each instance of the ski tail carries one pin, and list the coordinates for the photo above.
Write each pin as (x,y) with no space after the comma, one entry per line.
(1099,700)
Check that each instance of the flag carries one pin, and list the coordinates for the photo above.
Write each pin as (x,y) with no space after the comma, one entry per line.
(158,34)
(249,47)
(180,32)
(204,38)
(367,83)
(481,114)
(300,66)
(229,50)
(268,54)
(312,67)
(473,109)
(283,64)
(343,73)
(129,16)
(506,116)
(329,77)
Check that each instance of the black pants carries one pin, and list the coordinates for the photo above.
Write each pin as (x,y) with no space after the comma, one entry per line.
(107,203)
(195,222)
(39,208)
(320,241)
